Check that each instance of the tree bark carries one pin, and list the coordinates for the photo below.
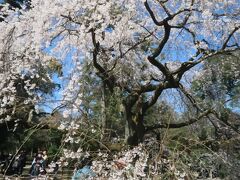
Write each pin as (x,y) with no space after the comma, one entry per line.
(127,131)
(103,112)
(135,126)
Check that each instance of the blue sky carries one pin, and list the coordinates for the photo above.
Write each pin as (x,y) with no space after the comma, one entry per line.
(67,66)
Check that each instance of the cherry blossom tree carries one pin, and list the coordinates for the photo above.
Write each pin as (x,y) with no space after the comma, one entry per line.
(141,48)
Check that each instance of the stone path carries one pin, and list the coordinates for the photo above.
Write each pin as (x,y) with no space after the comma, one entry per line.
(64,174)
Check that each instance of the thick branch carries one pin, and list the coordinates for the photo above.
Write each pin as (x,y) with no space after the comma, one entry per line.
(190,64)
(155,96)
(159,65)
(152,59)
(158,23)
(160,47)
(179,125)
(95,53)
(148,88)
(103,72)
(157,52)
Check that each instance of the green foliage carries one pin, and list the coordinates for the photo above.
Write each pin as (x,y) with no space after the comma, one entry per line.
(44,139)
(92,90)
(161,113)
(220,80)
(114,110)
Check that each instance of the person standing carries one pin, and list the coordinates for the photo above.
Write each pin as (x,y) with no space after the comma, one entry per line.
(22,162)
(45,159)
(37,165)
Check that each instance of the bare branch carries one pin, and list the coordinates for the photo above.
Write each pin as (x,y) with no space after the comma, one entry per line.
(135,45)
(152,33)
(165,8)
(229,37)
(189,97)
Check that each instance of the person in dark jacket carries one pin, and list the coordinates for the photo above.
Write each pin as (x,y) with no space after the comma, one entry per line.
(22,162)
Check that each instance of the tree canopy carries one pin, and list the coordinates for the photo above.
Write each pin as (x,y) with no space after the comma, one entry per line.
(123,61)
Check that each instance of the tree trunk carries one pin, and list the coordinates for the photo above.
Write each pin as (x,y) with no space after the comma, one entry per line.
(127,128)
(103,112)
(135,126)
